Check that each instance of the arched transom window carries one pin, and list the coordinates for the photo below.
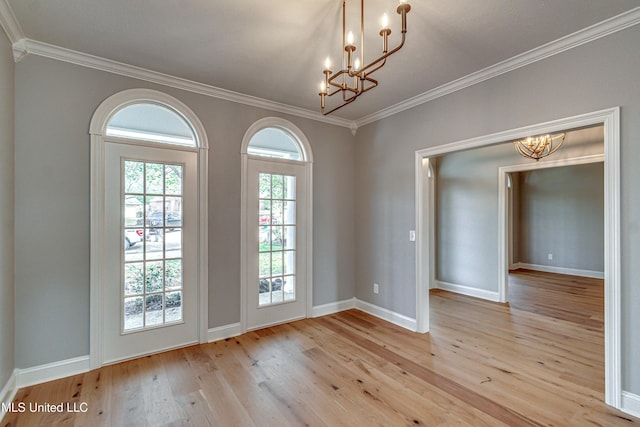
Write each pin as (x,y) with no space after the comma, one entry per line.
(151,122)
(275,142)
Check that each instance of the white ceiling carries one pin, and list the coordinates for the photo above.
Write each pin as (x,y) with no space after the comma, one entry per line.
(275,49)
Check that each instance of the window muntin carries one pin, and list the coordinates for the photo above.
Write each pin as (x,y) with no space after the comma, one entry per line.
(276,239)
(152,284)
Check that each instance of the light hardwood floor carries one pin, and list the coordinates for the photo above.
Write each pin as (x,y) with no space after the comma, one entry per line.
(535,362)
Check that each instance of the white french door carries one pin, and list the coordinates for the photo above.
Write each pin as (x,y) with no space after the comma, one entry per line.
(150,286)
(276,233)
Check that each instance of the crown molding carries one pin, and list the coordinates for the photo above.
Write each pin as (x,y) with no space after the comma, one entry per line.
(9,22)
(27,46)
(23,46)
(586,35)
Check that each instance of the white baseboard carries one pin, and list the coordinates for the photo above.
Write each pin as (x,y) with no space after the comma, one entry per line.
(8,393)
(53,371)
(333,307)
(631,403)
(388,315)
(224,332)
(560,270)
(469,291)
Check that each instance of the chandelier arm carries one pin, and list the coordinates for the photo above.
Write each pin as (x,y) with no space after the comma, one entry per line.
(355,96)
(334,92)
(351,89)
(345,92)
(554,149)
(341,86)
(335,76)
(338,85)
(373,82)
(383,57)
(349,101)
(378,67)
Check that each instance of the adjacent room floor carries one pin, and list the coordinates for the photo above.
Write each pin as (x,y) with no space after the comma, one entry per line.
(536,361)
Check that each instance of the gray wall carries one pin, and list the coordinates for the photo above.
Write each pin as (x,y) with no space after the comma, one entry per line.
(562,213)
(7,346)
(600,74)
(467,215)
(54,105)
(467,207)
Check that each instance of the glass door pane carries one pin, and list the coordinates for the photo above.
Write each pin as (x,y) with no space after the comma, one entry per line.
(152,285)
(276,231)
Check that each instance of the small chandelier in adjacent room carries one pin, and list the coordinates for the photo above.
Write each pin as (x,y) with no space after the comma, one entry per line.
(537,147)
(354,78)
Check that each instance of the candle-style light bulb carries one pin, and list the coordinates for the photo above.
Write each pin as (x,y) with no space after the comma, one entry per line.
(327,63)
(350,38)
(323,87)
(356,64)
(384,21)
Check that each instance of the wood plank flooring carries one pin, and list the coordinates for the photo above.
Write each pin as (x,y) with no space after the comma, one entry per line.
(538,361)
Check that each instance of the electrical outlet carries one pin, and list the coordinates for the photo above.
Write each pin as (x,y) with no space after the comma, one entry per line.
(376,288)
(550,256)
(412,235)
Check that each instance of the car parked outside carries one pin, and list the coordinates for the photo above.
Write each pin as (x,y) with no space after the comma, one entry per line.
(155,219)
(276,285)
(131,237)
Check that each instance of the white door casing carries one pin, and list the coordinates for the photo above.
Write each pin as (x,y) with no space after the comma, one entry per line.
(99,233)
(302,169)
(425,252)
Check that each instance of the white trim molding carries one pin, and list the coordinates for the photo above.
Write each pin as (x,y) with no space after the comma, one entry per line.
(224,332)
(53,371)
(284,125)
(388,315)
(46,50)
(425,252)
(9,22)
(631,403)
(333,307)
(366,307)
(24,46)
(468,290)
(602,29)
(425,181)
(559,270)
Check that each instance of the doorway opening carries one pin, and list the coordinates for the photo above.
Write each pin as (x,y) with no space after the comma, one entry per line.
(425,213)
(553,217)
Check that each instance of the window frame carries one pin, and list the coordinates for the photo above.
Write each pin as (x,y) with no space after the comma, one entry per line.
(99,138)
(307,162)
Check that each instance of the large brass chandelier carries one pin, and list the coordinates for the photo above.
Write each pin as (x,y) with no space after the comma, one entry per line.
(354,78)
(537,147)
